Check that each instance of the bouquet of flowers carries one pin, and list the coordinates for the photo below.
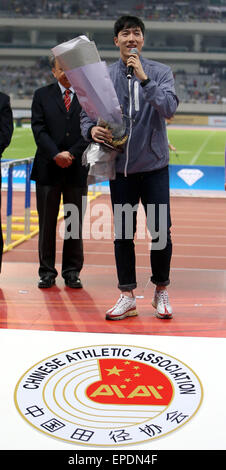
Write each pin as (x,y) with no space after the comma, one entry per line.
(91,81)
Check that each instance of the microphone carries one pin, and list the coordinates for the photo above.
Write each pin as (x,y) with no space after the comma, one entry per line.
(129,72)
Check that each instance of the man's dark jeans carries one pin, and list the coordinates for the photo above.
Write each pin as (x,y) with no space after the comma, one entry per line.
(152,189)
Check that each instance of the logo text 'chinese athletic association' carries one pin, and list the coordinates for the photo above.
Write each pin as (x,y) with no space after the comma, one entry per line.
(108,395)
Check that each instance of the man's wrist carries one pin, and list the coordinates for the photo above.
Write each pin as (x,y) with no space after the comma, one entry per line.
(89,133)
(144,82)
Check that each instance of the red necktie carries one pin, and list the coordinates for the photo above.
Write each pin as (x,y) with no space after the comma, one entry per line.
(67,98)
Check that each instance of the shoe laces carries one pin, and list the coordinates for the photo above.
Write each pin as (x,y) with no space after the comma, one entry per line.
(119,300)
(123,299)
(163,296)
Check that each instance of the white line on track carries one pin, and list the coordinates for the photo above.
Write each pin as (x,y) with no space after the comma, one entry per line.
(196,156)
(146,253)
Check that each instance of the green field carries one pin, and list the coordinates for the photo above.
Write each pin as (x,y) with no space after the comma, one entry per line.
(194,146)
(22,144)
(197,146)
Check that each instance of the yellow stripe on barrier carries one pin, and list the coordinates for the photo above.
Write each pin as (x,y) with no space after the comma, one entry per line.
(21,219)
(20,227)
(20,238)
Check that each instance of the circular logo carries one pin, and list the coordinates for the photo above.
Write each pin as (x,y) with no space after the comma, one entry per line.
(108,395)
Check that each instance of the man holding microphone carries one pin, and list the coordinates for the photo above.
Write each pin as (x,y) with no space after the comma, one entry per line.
(146,93)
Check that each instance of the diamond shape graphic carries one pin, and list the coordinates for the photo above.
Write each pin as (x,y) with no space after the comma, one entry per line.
(190,175)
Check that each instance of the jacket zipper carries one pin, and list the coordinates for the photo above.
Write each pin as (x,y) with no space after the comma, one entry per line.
(130,128)
(136,96)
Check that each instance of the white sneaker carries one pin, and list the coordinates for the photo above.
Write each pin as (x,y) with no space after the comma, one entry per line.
(124,307)
(162,305)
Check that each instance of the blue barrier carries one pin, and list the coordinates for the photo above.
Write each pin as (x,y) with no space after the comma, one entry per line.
(19,171)
(16,172)
(16,176)
(181,177)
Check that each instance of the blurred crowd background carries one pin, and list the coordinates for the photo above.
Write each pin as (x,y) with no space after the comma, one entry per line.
(196,57)
(163,10)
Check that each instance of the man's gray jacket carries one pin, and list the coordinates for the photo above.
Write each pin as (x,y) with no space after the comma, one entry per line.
(145,109)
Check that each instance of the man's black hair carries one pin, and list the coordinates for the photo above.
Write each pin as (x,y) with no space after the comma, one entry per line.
(128,22)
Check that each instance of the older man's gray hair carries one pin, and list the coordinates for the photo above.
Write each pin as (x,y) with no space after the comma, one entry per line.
(52,60)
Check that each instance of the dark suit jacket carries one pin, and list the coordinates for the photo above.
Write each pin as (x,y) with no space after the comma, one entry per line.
(6,122)
(6,131)
(56,130)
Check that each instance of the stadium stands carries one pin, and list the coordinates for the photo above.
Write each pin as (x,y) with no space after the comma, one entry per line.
(21,81)
(203,87)
(164,10)
(187,35)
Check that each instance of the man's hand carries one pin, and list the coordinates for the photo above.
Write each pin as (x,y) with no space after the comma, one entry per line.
(171,147)
(64,159)
(101,134)
(134,61)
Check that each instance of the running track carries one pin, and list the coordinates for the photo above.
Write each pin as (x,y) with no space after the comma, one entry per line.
(198,278)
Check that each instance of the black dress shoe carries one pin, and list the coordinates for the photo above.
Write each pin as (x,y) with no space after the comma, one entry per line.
(73,281)
(46,281)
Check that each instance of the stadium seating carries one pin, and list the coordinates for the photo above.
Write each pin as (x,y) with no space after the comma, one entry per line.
(164,10)
(175,45)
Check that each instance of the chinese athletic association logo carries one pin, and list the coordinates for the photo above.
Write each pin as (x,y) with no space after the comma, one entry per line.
(108,395)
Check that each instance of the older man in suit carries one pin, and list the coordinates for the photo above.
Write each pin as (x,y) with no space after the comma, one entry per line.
(6,131)
(58,170)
